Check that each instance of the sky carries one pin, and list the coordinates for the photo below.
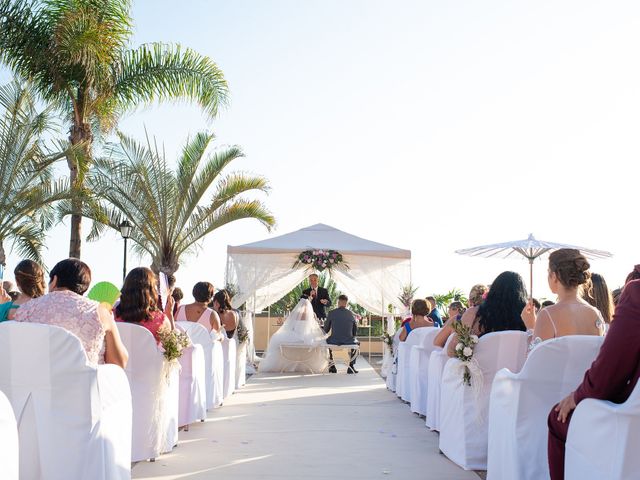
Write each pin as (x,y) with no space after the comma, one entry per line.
(430,126)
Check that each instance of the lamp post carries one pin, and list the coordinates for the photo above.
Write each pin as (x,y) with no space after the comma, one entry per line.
(125,231)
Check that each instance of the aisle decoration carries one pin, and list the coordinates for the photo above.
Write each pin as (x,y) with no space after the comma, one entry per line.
(472,375)
(173,343)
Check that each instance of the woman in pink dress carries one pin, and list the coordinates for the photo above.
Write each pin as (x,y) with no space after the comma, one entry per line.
(64,306)
(199,311)
(139,302)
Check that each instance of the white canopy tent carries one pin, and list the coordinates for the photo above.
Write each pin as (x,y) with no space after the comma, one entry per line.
(263,271)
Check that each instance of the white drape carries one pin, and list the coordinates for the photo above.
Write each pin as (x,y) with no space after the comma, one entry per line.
(371,281)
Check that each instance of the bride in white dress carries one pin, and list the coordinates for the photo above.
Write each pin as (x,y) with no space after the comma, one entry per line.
(300,327)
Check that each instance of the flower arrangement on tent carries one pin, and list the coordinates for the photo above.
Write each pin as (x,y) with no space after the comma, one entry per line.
(320,260)
(464,349)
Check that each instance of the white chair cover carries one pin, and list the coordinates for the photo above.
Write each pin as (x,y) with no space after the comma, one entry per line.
(154,393)
(464,421)
(393,370)
(193,389)
(74,419)
(199,335)
(419,371)
(521,402)
(604,440)
(241,364)
(404,360)
(9,459)
(437,361)
(229,352)
(218,370)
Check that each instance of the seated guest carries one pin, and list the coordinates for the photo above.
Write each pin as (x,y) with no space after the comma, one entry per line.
(30,279)
(177,298)
(477,294)
(419,311)
(615,296)
(228,316)
(612,376)
(198,311)
(10,290)
(456,309)
(568,271)
(547,303)
(434,314)
(500,311)
(634,275)
(343,327)
(599,296)
(139,302)
(64,306)
(536,305)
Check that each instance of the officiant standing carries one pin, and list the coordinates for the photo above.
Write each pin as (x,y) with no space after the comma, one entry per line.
(319,297)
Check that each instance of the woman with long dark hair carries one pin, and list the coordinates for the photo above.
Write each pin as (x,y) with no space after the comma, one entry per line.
(228,316)
(599,296)
(500,311)
(139,302)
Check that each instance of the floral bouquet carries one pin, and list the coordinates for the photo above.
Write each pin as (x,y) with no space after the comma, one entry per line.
(173,343)
(243,334)
(388,339)
(320,260)
(464,349)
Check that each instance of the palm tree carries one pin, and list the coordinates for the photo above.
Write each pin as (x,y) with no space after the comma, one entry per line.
(444,300)
(28,190)
(170,211)
(75,54)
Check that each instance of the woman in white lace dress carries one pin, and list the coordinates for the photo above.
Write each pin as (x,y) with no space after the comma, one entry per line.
(300,328)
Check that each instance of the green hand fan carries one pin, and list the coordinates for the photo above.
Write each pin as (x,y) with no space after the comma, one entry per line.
(104,292)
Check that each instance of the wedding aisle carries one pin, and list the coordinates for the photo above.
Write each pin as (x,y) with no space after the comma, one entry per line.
(308,426)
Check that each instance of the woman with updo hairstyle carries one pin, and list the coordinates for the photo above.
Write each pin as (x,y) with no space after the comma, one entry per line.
(30,280)
(598,295)
(199,311)
(571,315)
(419,318)
(139,302)
(477,294)
(500,310)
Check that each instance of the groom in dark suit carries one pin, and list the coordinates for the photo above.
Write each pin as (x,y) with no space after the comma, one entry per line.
(319,297)
(343,327)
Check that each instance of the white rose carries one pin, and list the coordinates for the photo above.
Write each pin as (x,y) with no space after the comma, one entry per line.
(467,352)
(459,347)
(474,338)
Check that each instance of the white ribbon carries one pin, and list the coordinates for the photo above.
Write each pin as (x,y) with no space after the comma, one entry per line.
(477,382)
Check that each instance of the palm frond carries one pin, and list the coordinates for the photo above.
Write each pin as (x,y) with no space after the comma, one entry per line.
(160,72)
(168,209)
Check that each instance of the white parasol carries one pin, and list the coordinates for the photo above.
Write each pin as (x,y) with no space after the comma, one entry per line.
(529,249)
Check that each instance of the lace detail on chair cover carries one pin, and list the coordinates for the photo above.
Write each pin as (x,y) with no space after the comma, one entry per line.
(73,312)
